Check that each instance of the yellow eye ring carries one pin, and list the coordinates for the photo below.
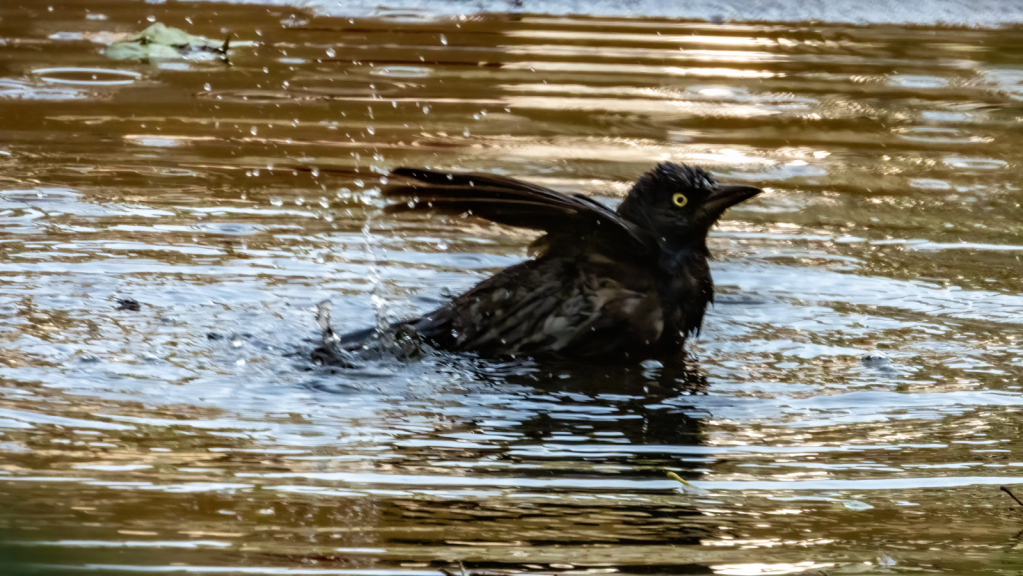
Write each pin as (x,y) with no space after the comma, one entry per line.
(680,200)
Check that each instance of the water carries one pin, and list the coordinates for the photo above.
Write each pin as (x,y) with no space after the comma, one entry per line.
(992,13)
(193,435)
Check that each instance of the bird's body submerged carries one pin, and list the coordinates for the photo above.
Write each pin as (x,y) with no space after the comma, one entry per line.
(634,282)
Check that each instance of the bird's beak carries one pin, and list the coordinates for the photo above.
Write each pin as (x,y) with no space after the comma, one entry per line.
(725,196)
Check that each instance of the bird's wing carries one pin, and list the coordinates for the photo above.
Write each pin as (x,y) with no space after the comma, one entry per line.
(550,306)
(515,203)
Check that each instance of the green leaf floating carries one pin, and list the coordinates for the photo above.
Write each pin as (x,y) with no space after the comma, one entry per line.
(163,42)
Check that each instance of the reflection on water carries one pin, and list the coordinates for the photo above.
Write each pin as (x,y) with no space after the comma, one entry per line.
(193,435)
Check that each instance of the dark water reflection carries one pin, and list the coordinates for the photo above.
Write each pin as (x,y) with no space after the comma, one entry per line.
(192,435)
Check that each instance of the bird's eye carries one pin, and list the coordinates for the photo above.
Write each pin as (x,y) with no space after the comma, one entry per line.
(680,200)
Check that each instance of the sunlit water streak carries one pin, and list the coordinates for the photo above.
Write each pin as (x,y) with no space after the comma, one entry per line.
(194,434)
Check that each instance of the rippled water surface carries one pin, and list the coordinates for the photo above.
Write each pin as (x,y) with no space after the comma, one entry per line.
(193,435)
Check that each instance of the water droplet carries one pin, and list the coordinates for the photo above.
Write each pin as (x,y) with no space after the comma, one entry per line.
(426,109)
(465,132)
(253,130)
(207,86)
(299,201)
(371,130)
(331,53)
(276,201)
(443,39)
(315,172)
(358,182)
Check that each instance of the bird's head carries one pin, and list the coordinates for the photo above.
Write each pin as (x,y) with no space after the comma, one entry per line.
(678,203)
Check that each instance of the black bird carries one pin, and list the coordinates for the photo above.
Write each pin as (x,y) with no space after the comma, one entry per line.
(630,282)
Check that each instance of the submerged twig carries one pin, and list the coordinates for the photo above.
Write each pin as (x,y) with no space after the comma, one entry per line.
(687,487)
(1009,492)
(223,50)
(678,478)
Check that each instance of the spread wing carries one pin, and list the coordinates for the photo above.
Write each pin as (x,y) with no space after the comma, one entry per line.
(591,293)
(515,203)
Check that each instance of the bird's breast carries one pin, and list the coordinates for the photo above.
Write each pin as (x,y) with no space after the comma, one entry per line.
(685,287)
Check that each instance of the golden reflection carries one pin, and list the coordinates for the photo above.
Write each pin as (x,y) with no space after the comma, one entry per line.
(650,107)
(623,38)
(641,69)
